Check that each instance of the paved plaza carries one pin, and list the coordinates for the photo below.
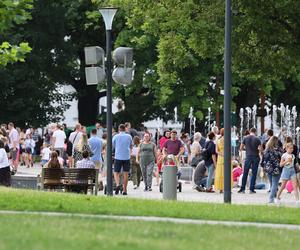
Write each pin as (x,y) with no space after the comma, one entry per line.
(187,194)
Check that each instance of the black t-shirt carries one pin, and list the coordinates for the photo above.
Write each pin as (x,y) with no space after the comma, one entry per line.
(251,143)
(210,146)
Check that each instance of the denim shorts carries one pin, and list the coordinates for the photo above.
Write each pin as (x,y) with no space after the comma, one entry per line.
(121,164)
(288,173)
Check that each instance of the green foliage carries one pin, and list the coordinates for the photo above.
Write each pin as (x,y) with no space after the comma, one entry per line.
(13,13)
(11,53)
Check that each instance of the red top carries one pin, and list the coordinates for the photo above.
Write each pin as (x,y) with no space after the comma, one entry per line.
(236,172)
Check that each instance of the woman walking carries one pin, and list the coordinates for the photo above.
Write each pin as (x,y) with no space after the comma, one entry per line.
(82,146)
(135,166)
(271,164)
(146,155)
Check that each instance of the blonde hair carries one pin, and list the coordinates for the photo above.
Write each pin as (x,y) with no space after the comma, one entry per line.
(83,141)
(288,145)
(272,143)
(197,136)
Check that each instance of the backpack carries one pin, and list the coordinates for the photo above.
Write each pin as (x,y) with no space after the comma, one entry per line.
(205,153)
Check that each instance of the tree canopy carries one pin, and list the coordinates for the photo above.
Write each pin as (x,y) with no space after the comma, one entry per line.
(13,13)
(178,49)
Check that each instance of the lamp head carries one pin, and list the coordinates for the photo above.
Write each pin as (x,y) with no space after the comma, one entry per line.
(108,16)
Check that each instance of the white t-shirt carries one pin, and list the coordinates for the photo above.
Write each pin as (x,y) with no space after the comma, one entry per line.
(75,139)
(13,137)
(134,150)
(286,156)
(46,154)
(60,137)
(3,158)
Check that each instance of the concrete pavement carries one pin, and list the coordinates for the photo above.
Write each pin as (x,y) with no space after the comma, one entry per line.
(187,194)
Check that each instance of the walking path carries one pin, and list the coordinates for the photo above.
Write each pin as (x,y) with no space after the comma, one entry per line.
(187,194)
(157,219)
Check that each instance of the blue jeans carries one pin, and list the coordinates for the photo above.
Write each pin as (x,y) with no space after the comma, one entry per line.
(274,179)
(210,170)
(250,162)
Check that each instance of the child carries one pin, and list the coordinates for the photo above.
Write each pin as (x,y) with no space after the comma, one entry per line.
(159,165)
(29,148)
(45,154)
(236,172)
(288,172)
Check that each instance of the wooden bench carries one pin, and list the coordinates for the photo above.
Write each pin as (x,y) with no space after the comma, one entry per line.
(70,179)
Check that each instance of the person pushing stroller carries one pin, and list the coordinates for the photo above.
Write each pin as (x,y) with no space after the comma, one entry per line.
(174,147)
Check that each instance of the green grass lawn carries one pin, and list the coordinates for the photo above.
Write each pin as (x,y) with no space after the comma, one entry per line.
(43,232)
(21,200)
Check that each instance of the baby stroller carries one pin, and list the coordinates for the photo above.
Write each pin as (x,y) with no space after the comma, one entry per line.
(171,161)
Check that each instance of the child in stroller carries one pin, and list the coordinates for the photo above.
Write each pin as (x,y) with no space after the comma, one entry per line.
(171,161)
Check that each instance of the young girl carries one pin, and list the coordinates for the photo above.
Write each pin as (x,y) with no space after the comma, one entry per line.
(45,154)
(135,167)
(29,148)
(288,172)
(159,165)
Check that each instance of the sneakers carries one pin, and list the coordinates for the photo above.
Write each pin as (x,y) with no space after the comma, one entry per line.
(252,192)
(150,189)
(241,191)
(200,189)
(277,201)
(135,187)
(117,190)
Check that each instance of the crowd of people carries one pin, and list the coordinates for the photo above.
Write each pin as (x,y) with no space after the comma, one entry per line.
(138,156)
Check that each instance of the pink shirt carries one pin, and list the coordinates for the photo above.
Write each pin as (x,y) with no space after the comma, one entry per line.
(162,142)
(236,172)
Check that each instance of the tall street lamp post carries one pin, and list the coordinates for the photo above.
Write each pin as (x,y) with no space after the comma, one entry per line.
(227,105)
(108,16)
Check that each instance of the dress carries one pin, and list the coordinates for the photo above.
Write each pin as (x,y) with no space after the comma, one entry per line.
(219,174)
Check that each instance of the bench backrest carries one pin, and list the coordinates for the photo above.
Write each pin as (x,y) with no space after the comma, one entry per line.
(70,174)
(53,173)
(82,174)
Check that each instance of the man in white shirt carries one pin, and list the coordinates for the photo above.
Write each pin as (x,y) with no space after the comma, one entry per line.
(76,135)
(14,144)
(58,139)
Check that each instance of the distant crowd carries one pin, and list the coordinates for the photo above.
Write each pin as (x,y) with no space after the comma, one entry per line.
(140,155)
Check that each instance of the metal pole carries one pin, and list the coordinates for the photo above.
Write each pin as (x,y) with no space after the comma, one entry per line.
(227,105)
(109,115)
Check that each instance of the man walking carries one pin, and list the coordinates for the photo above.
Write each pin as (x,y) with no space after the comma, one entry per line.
(122,143)
(14,145)
(96,147)
(76,135)
(252,144)
(58,139)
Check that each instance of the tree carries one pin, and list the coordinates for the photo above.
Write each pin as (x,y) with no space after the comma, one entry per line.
(12,13)
(58,34)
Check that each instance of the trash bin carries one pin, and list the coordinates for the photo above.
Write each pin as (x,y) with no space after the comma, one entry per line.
(170,183)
